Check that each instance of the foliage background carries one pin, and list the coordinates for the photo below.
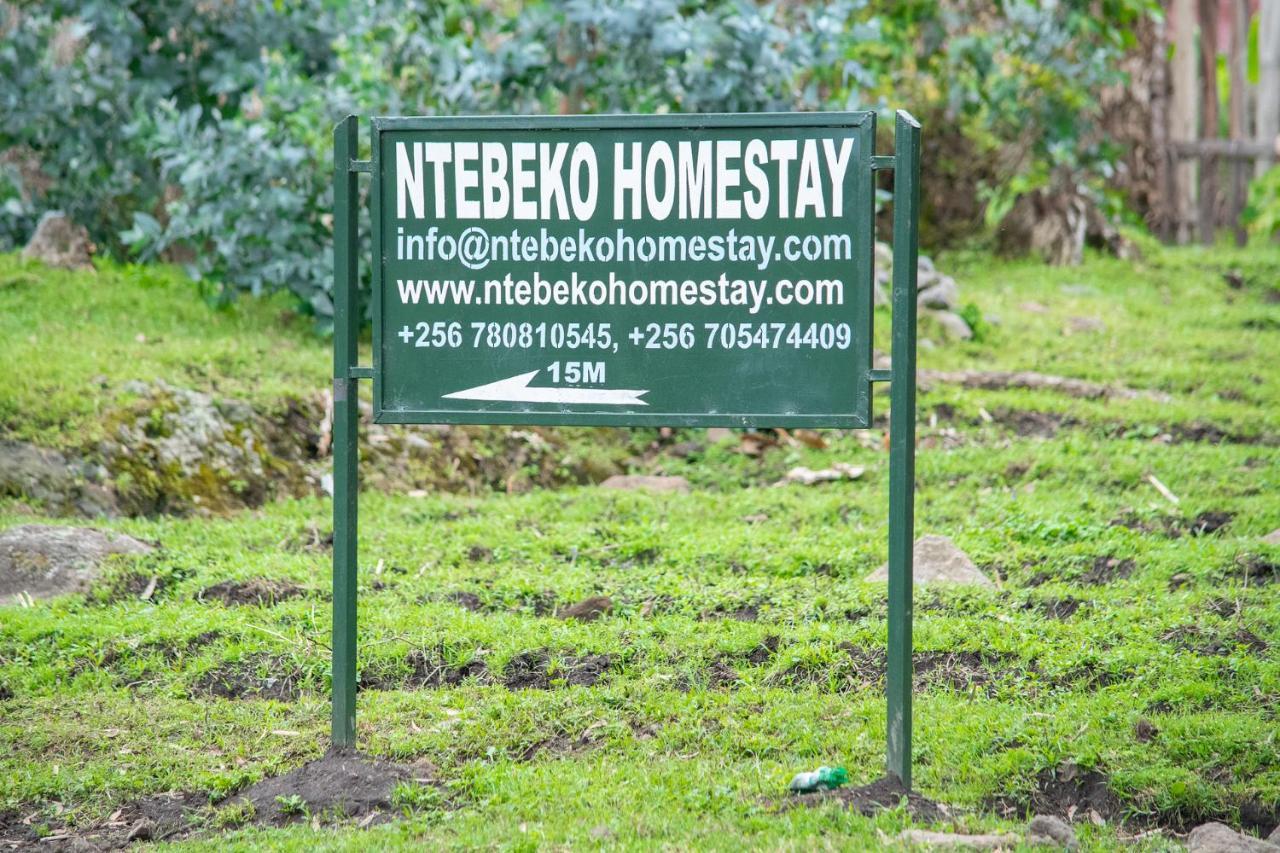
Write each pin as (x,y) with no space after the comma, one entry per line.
(199,130)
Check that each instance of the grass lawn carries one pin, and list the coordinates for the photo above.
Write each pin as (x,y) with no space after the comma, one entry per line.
(1118,652)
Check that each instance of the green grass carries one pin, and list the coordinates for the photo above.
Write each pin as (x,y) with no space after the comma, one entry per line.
(111,694)
(73,340)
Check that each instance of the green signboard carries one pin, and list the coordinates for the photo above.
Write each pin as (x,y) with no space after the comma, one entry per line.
(683,270)
(677,270)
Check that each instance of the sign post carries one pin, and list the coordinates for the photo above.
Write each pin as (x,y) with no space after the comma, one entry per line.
(700,270)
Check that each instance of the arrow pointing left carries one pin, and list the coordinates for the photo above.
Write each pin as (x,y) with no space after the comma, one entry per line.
(516,389)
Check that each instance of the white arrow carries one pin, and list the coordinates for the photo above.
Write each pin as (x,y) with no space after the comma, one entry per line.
(516,390)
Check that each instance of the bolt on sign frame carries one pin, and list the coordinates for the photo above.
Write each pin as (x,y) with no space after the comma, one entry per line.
(450,371)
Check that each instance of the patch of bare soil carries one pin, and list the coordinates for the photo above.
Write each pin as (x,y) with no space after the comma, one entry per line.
(263,592)
(176,649)
(466,600)
(883,794)
(720,674)
(532,671)
(161,817)
(959,671)
(740,613)
(1209,522)
(1055,608)
(1255,570)
(426,669)
(762,653)
(1174,527)
(1106,569)
(342,784)
(254,677)
(1068,792)
(1193,638)
(1032,424)
(1203,432)
(1002,380)
(1168,525)
(559,746)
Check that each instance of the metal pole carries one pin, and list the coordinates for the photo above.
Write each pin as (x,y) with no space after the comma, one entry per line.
(346,423)
(902,440)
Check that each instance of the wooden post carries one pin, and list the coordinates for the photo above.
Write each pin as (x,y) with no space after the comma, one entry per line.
(1182,114)
(1268,79)
(1238,102)
(1208,118)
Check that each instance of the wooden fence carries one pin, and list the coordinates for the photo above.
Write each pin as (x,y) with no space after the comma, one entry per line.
(1210,173)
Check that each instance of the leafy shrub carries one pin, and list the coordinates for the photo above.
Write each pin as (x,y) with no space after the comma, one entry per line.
(1262,212)
(201,132)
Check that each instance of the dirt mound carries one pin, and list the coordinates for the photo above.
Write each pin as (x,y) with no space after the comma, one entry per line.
(532,670)
(254,677)
(342,784)
(44,560)
(884,793)
(1107,569)
(427,669)
(1068,792)
(1255,570)
(263,592)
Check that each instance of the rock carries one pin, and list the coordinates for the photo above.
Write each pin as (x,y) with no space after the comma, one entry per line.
(953,325)
(59,242)
(44,561)
(934,289)
(1050,830)
(1272,538)
(884,256)
(1179,580)
(936,559)
(646,483)
(141,831)
(715,435)
(944,294)
(1217,838)
(65,486)
(177,450)
(1145,731)
(925,838)
(588,609)
(1274,837)
(808,477)
(1083,326)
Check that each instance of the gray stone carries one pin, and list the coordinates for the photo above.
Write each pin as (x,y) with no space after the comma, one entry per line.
(1218,838)
(953,325)
(1272,538)
(1047,829)
(942,294)
(63,485)
(210,454)
(642,482)
(1274,837)
(43,561)
(936,559)
(884,255)
(59,242)
(925,838)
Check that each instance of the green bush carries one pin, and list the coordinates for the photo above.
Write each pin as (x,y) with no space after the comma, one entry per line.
(201,132)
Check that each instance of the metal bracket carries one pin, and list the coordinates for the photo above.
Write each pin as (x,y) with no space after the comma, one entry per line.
(882,163)
(356,371)
(879,375)
(361,166)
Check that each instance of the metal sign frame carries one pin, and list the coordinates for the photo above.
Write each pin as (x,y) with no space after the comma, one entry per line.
(905,165)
